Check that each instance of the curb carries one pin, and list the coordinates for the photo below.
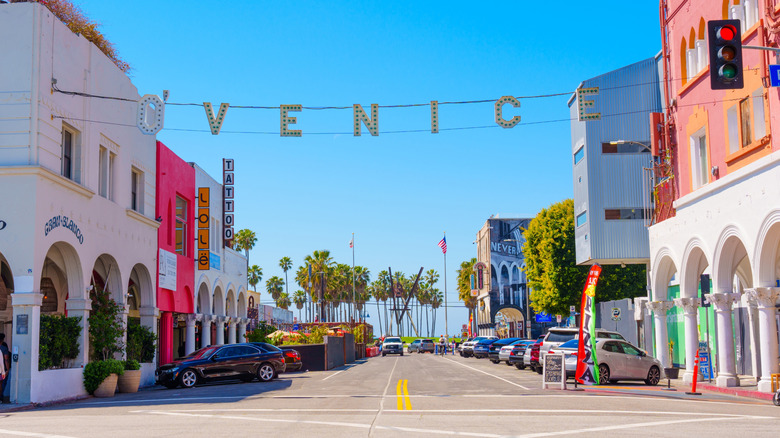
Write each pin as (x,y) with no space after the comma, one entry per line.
(738,392)
(30,406)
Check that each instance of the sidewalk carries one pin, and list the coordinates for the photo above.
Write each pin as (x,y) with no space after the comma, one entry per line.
(748,387)
(14,407)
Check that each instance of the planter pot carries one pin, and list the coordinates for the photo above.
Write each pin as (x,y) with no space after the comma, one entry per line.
(129,381)
(107,387)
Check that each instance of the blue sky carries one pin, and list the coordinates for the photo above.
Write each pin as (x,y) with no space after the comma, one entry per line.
(397,192)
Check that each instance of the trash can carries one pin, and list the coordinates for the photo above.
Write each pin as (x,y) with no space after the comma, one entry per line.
(672,373)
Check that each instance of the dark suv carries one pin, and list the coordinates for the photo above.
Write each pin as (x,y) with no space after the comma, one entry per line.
(495,347)
(482,348)
(426,345)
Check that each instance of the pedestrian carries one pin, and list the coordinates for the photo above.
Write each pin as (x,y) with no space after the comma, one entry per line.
(5,365)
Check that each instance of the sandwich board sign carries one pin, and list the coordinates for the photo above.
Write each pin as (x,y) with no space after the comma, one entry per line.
(554,371)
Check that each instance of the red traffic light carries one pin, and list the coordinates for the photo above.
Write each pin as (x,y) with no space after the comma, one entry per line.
(727,33)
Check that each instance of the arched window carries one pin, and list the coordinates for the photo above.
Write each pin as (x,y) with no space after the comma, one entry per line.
(683,62)
(746,11)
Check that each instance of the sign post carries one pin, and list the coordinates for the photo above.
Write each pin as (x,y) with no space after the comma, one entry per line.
(554,371)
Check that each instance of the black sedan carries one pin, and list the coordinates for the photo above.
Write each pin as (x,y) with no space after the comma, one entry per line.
(220,362)
(292,360)
(495,348)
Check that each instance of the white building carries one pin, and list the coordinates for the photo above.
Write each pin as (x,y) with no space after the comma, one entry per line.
(221,291)
(77,183)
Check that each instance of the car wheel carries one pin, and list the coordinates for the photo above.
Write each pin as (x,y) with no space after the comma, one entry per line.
(653,376)
(776,398)
(519,367)
(402,353)
(172,385)
(495,361)
(266,372)
(538,370)
(188,378)
(508,364)
(383,354)
(603,374)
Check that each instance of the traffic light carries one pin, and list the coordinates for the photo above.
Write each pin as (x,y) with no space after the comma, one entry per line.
(725,40)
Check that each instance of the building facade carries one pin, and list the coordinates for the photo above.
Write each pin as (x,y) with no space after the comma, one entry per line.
(500,277)
(725,220)
(78,194)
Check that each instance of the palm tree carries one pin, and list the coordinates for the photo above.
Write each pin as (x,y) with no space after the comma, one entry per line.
(299,298)
(274,287)
(437,298)
(283,301)
(321,266)
(286,264)
(254,276)
(464,285)
(431,278)
(362,279)
(245,240)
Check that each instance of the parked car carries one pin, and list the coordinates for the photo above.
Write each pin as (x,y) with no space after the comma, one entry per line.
(466,349)
(515,352)
(617,360)
(414,346)
(482,348)
(234,361)
(496,346)
(292,360)
(558,335)
(392,345)
(531,356)
(427,345)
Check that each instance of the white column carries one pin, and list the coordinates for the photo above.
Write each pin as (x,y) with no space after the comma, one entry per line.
(659,309)
(220,330)
(189,340)
(755,345)
(766,297)
(205,332)
(80,307)
(727,368)
(232,331)
(122,355)
(26,329)
(690,307)
(242,330)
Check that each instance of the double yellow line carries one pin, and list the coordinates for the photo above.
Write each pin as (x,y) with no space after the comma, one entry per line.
(402,395)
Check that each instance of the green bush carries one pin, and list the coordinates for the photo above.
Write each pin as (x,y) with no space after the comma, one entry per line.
(132,365)
(59,341)
(260,333)
(96,372)
(141,343)
(106,327)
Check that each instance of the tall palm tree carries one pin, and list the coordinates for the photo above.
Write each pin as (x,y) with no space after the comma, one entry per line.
(437,298)
(464,285)
(274,287)
(286,264)
(299,298)
(321,266)
(254,276)
(283,301)
(245,240)
(362,279)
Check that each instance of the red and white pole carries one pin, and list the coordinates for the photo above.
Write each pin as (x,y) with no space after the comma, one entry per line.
(695,375)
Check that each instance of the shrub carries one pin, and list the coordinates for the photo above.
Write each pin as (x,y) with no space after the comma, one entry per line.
(318,333)
(96,372)
(141,343)
(132,365)
(260,333)
(59,341)
(105,326)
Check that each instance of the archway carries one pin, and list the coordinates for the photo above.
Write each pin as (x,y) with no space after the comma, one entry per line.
(510,321)
(106,276)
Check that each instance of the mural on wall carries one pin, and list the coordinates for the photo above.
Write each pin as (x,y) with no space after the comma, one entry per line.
(508,284)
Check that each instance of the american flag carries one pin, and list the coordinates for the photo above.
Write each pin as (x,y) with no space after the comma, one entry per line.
(443,245)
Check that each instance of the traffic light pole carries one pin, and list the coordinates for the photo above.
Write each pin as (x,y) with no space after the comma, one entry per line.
(771,49)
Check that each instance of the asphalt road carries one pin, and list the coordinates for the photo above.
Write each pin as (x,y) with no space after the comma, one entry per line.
(413,395)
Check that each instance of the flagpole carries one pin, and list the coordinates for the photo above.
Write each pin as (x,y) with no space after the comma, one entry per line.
(354,304)
(446,327)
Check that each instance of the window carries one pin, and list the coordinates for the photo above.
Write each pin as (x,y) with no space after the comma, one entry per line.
(732,122)
(746,12)
(181,226)
(699,162)
(624,148)
(758,113)
(103,172)
(137,190)
(624,213)
(70,153)
(745,125)
(579,155)
(581,219)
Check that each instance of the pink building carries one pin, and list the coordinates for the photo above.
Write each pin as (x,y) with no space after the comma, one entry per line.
(176,253)
(719,197)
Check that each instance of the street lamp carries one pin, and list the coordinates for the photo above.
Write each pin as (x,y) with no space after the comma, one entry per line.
(617,142)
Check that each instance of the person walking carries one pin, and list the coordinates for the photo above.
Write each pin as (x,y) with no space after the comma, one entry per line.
(442,345)
(5,366)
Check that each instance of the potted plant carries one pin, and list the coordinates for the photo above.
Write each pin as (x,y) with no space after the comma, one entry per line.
(100,377)
(131,378)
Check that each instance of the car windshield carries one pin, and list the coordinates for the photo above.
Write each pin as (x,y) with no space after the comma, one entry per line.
(416,341)
(560,336)
(203,353)
(393,340)
(427,341)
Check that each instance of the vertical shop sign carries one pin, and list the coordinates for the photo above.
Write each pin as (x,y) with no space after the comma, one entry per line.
(203,228)
(228,193)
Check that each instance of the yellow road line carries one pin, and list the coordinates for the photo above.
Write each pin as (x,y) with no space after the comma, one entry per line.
(402,395)
(406,397)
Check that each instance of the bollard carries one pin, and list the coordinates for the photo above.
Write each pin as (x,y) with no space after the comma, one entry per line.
(695,375)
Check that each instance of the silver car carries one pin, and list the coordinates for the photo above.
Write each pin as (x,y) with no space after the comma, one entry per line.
(617,359)
(506,350)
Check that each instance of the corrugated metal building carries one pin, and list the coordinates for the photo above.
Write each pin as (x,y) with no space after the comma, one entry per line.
(608,155)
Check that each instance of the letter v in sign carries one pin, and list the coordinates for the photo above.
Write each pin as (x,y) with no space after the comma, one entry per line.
(216,123)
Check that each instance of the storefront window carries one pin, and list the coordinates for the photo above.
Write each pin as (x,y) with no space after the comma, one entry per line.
(181,226)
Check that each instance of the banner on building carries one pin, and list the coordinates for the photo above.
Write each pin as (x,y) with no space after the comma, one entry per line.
(587,363)
(228,194)
(204,221)
(167,270)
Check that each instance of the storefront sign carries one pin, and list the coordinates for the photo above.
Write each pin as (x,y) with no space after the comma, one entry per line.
(65,222)
(228,193)
(21,324)
(203,228)
(167,270)
(554,371)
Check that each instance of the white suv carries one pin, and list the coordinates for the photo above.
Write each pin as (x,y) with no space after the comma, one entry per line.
(392,345)
(558,335)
